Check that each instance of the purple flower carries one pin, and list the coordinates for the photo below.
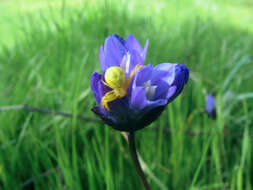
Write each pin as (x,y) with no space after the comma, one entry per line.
(210,106)
(130,95)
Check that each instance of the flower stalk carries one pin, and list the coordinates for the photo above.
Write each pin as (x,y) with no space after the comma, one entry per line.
(134,156)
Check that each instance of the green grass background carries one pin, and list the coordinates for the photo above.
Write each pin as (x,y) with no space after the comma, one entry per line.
(48,50)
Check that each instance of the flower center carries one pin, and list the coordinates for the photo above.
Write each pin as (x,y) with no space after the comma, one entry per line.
(150,90)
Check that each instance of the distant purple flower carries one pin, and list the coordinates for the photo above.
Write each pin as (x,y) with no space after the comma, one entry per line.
(130,95)
(210,106)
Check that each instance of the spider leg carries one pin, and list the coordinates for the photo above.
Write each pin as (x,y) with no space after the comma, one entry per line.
(129,78)
(108,97)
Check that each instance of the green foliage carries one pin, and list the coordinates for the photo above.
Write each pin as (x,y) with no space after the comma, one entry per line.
(50,48)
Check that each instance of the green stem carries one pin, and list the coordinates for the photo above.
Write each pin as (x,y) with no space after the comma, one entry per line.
(134,156)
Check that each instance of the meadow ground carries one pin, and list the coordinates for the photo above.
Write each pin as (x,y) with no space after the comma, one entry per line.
(48,50)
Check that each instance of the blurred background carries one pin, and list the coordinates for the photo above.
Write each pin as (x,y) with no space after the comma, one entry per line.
(48,50)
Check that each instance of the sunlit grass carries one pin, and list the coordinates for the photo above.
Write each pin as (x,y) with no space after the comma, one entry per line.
(48,51)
